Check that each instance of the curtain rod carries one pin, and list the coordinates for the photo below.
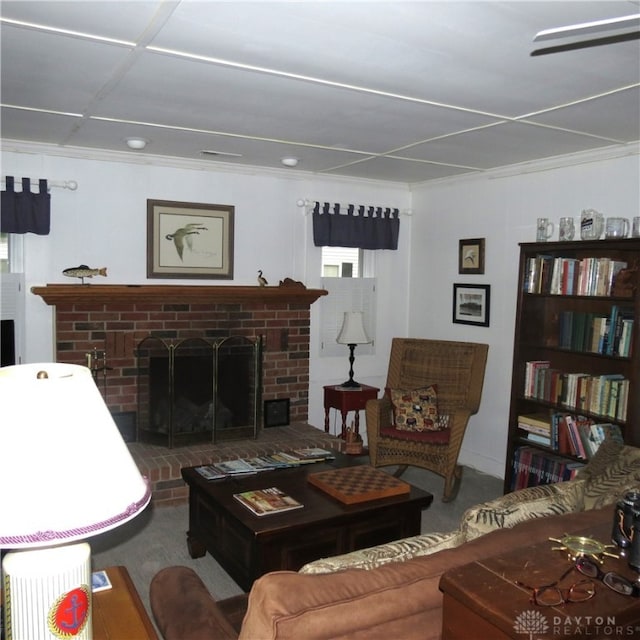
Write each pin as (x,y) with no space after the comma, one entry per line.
(310,204)
(72,185)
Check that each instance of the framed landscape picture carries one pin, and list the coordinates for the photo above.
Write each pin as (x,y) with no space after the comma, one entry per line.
(189,240)
(471,304)
(471,256)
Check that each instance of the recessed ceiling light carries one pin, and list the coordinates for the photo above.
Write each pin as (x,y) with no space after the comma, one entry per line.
(136,143)
(290,161)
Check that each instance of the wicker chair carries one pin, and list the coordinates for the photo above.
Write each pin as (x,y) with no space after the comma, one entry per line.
(457,368)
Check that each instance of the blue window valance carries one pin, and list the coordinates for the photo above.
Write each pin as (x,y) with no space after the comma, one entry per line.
(369,228)
(25,212)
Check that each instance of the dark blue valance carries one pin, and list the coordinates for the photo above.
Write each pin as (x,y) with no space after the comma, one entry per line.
(374,228)
(25,212)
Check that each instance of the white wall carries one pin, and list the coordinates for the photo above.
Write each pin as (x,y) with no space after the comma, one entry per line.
(104,224)
(502,208)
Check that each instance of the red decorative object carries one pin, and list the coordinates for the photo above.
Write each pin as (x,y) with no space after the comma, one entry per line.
(70,613)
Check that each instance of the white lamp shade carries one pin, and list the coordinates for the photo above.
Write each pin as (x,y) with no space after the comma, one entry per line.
(353,331)
(65,470)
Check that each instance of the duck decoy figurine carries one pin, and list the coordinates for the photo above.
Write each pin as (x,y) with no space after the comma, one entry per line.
(261,280)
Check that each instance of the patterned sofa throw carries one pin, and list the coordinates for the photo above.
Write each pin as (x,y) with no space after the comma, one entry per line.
(416,409)
(613,470)
(533,502)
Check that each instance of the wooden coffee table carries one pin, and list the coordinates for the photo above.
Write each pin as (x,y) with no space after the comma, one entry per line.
(248,546)
(482,599)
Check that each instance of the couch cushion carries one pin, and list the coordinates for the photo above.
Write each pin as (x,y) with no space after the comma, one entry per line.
(415,409)
(533,502)
(397,551)
(613,470)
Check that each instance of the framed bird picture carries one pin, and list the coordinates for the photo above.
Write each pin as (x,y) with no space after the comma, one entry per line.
(189,240)
(471,256)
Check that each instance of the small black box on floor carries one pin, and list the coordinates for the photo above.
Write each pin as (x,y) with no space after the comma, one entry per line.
(126,423)
(276,413)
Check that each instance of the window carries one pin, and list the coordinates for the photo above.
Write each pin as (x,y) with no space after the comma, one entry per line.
(343,276)
(341,262)
(11,252)
(4,253)
(12,299)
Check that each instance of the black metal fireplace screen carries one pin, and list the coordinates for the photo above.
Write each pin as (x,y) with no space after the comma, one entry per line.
(196,390)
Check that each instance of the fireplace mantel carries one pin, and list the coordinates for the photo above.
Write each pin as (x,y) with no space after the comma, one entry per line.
(55,294)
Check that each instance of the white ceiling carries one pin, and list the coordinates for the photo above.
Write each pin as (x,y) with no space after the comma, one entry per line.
(401,91)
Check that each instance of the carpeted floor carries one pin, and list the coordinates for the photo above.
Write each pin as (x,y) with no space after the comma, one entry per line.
(157,538)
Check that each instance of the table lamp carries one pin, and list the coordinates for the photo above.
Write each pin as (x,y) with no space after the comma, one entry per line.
(351,334)
(66,475)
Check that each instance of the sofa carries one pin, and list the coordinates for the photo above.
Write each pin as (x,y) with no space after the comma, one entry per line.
(392,590)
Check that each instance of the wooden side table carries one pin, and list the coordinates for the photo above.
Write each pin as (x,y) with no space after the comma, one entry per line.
(118,612)
(347,399)
(482,600)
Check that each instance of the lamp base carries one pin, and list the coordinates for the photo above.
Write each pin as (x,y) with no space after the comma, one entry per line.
(351,384)
(47,593)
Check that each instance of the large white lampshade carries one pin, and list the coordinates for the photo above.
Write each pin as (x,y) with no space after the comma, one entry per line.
(66,475)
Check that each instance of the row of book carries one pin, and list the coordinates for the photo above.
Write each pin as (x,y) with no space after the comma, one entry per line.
(258,464)
(596,333)
(571,276)
(566,433)
(533,467)
(605,395)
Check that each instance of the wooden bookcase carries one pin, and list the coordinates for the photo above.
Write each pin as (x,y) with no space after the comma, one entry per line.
(545,311)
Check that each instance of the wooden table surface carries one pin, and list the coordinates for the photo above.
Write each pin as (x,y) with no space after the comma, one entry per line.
(482,599)
(118,613)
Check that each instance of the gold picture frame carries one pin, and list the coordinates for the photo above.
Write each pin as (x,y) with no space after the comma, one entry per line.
(471,256)
(189,240)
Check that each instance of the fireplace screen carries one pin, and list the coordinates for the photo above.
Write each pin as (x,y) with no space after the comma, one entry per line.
(195,390)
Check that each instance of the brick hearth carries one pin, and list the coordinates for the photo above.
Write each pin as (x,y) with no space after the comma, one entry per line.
(162,466)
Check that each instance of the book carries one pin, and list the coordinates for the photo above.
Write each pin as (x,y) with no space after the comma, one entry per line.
(314,453)
(209,472)
(100,581)
(263,502)
(235,467)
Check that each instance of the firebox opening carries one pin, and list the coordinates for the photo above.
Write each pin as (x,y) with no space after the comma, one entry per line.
(198,391)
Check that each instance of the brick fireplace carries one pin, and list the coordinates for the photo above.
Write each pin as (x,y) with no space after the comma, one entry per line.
(113,319)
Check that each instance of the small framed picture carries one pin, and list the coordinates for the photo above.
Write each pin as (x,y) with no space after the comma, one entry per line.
(471,304)
(189,240)
(276,413)
(471,256)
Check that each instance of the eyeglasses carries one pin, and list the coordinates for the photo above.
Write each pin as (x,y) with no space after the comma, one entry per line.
(551,595)
(614,581)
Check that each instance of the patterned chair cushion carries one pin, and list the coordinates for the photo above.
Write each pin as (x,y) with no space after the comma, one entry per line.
(613,470)
(532,502)
(397,551)
(415,409)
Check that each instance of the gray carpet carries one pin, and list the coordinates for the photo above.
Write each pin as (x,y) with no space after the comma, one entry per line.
(157,538)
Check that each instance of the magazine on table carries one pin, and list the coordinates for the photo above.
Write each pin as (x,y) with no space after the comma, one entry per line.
(235,467)
(264,502)
(209,472)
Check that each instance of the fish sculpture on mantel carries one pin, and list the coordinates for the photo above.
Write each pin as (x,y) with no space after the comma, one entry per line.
(83,271)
